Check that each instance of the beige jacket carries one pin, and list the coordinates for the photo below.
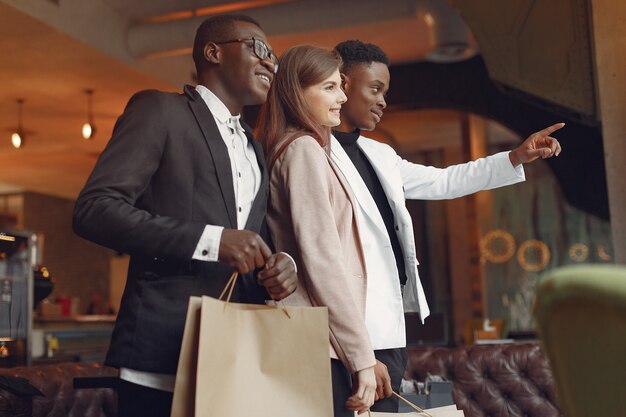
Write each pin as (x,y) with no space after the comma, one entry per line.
(311,217)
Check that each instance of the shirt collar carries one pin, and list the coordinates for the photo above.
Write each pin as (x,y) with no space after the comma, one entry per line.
(216,106)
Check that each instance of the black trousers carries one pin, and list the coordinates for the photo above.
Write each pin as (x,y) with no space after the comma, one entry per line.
(395,359)
(342,388)
(138,401)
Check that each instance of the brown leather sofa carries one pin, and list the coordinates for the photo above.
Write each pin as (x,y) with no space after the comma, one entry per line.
(508,380)
(60,398)
(511,380)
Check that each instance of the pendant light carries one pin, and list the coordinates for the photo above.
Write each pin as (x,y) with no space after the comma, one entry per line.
(17,137)
(89,129)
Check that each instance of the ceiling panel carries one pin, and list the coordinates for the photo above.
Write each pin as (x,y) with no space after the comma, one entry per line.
(50,71)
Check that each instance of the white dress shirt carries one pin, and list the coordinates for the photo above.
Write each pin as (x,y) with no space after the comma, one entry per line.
(244,167)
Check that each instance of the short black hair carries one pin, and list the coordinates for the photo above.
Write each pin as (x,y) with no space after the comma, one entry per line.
(216,29)
(355,52)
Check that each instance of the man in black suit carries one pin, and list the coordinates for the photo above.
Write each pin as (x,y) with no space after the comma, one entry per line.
(182,188)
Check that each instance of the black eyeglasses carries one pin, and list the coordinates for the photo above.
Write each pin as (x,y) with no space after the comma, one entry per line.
(260,48)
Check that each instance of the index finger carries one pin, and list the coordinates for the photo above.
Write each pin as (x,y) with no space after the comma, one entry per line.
(558,148)
(265,250)
(278,267)
(548,130)
(388,391)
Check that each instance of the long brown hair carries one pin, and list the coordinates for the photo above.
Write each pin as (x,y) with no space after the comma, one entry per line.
(285,109)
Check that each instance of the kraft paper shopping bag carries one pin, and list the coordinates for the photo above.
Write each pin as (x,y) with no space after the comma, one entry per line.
(240,360)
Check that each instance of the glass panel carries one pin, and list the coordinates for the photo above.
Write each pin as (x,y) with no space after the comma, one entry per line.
(532,230)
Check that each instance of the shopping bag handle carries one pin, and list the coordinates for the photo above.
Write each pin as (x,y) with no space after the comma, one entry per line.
(230,286)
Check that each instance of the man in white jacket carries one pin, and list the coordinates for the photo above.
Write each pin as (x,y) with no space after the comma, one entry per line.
(381,181)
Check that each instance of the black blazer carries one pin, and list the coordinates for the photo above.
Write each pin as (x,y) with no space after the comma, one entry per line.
(162,177)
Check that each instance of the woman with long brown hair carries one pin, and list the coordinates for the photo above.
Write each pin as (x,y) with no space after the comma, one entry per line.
(311,215)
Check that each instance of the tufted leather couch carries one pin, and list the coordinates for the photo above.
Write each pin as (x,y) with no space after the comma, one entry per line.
(509,380)
(60,398)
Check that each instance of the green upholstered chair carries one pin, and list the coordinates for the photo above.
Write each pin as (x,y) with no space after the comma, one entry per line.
(581,315)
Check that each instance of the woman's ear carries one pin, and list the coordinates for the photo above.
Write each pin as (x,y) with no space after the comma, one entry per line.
(212,53)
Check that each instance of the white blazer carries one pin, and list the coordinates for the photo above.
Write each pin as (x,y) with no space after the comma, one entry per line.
(403,180)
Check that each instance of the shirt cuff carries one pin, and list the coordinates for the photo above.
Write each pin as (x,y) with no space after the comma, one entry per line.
(208,246)
(514,172)
(295,265)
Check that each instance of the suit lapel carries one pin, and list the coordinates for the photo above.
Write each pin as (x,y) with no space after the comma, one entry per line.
(353,201)
(218,151)
(381,169)
(361,193)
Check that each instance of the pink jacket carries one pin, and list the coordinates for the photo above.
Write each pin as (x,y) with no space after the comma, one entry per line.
(311,217)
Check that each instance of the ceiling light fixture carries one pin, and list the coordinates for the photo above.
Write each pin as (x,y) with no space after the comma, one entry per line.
(89,129)
(18,137)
